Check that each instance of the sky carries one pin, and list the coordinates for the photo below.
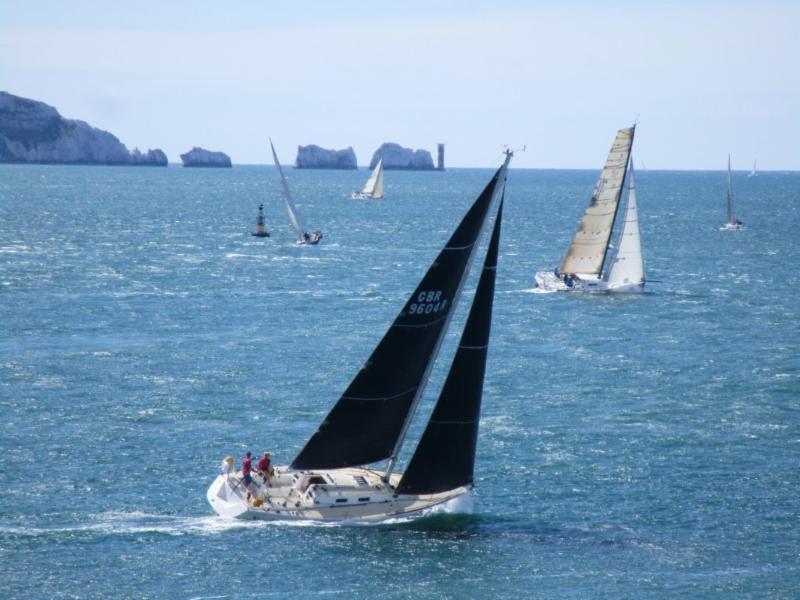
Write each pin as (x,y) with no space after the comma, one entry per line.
(702,79)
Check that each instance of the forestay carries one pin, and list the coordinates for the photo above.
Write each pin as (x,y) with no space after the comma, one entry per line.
(587,252)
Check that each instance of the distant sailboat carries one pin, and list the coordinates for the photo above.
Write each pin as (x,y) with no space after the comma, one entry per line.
(733,222)
(303,237)
(333,477)
(754,172)
(260,230)
(374,187)
(587,267)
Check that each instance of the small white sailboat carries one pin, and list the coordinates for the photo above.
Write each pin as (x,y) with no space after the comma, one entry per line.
(333,477)
(733,222)
(588,265)
(754,172)
(373,189)
(303,237)
(260,229)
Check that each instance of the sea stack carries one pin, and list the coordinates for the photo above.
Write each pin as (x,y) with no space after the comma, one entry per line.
(395,157)
(314,157)
(34,132)
(200,157)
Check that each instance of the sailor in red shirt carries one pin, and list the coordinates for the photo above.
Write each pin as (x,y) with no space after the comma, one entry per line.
(264,466)
(246,468)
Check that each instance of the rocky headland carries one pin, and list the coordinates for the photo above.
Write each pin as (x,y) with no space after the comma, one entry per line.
(200,157)
(34,132)
(395,157)
(314,157)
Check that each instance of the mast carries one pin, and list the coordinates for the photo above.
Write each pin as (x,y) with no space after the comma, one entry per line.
(287,197)
(370,420)
(731,220)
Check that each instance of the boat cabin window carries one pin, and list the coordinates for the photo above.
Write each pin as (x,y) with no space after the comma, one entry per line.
(341,500)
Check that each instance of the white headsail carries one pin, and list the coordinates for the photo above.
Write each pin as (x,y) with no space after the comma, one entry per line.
(587,252)
(627,267)
(374,186)
(290,208)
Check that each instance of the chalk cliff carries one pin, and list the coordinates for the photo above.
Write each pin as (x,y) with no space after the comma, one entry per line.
(395,157)
(200,157)
(314,157)
(34,132)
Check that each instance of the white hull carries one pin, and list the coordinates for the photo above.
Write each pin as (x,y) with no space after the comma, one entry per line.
(363,196)
(548,281)
(352,495)
(732,227)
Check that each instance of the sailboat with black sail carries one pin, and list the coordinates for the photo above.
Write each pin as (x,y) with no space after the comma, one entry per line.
(303,237)
(592,263)
(334,477)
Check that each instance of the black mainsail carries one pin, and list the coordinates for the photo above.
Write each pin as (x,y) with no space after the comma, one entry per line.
(445,456)
(369,421)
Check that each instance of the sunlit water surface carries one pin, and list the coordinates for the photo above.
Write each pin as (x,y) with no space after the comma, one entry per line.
(629,446)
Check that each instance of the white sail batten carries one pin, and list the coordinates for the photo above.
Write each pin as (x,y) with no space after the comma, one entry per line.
(587,251)
(627,266)
(287,197)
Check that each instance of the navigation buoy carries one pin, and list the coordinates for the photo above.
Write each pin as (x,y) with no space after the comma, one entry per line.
(260,231)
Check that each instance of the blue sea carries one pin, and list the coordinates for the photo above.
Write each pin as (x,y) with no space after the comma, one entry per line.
(642,446)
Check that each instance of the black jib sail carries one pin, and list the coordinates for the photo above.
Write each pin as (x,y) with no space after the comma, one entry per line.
(445,456)
(370,418)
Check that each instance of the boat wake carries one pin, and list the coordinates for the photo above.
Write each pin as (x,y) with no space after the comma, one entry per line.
(138,523)
(547,283)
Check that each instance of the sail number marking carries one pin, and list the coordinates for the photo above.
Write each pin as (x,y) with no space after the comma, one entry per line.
(428,302)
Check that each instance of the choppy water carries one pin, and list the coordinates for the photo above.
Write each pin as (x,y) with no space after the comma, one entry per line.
(641,446)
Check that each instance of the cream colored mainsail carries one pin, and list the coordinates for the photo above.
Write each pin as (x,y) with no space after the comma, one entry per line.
(588,248)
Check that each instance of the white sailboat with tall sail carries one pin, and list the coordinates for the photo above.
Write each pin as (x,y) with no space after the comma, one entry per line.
(303,237)
(589,265)
(733,222)
(334,477)
(373,189)
(754,172)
